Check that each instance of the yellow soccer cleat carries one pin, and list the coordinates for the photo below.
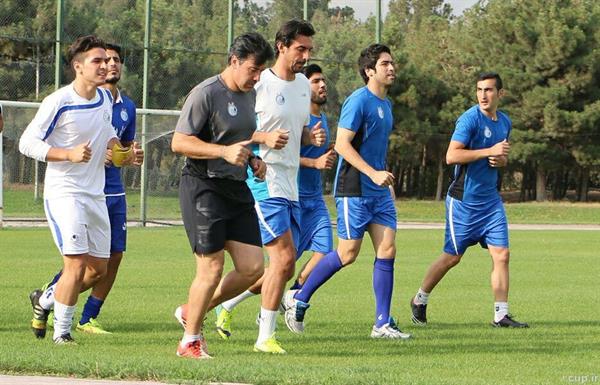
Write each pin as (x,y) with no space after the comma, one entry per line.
(270,345)
(91,327)
(223,322)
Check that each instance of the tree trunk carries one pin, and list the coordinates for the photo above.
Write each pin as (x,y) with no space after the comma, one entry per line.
(583,185)
(400,184)
(540,185)
(440,180)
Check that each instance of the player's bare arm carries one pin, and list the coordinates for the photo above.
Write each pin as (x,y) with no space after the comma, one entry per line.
(458,154)
(324,162)
(195,148)
(343,146)
(81,153)
(275,139)
(315,135)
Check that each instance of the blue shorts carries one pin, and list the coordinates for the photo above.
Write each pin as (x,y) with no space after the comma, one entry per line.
(356,213)
(117,213)
(470,223)
(276,216)
(315,233)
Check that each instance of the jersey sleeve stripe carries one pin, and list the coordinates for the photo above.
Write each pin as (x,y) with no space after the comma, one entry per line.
(69,108)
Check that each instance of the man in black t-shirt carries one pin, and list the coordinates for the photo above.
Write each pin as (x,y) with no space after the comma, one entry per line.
(215,127)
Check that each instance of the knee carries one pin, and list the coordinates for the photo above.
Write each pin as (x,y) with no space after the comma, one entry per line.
(213,274)
(387,251)
(254,272)
(285,268)
(347,258)
(96,273)
(502,258)
(452,260)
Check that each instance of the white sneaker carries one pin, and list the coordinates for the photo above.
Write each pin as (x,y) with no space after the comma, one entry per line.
(294,312)
(389,331)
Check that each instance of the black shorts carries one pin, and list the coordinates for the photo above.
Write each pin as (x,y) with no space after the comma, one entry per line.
(215,211)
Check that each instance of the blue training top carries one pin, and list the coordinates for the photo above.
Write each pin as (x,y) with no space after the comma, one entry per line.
(309,179)
(123,121)
(370,117)
(477,181)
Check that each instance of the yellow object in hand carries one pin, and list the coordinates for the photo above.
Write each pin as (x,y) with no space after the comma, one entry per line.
(120,154)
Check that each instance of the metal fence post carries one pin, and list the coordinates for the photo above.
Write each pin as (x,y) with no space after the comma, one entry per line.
(305,10)
(60,9)
(144,178)
(378,22)
(229,26)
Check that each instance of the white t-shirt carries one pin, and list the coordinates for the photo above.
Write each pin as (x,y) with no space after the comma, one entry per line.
(65,120)
(281,104)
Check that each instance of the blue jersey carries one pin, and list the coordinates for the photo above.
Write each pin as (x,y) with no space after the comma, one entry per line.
(477,181)
(123,121)
(309,179)
(370,117)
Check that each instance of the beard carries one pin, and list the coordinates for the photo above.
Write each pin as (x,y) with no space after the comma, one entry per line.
(113,80)
(318,100)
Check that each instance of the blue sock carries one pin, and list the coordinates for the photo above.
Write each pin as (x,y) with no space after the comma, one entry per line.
(327,267)
(383,285)
(91,309)
(55,279)
(296,286)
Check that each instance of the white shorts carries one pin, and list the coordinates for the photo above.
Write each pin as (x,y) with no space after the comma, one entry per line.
(79,225)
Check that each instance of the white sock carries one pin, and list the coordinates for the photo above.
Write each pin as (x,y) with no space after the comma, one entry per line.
(421,298)
(187,338)
(230,304)
(268,323)
(63,319)
(500,310)
(47,298)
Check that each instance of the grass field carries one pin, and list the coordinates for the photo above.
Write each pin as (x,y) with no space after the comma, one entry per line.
(20,203)
(554,287)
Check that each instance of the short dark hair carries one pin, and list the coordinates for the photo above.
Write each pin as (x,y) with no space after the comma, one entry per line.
(83,44)
(117,49)
(290,30)
(311,69)
(491,75)
(368,58)
(250,44)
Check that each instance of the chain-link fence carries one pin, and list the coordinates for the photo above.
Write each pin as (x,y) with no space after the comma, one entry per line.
(186,43)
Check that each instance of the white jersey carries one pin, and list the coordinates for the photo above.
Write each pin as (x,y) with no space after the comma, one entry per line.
(65,120)
(281,104)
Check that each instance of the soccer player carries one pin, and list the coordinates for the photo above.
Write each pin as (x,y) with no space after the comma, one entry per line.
(283,112)
(72,131)
(213,131)
(474,210)
(123,122)
(362,194)
(315,232)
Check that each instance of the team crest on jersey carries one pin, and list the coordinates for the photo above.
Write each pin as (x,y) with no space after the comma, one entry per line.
(106,116)
(380,111)
(279,99)
(487,132)
(124,115)
(232,109)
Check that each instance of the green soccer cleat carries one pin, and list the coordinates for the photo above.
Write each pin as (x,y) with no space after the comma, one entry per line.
(223,322)
(91,327)
(271,346)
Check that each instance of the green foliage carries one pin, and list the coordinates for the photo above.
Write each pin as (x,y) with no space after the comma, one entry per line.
(546,52)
